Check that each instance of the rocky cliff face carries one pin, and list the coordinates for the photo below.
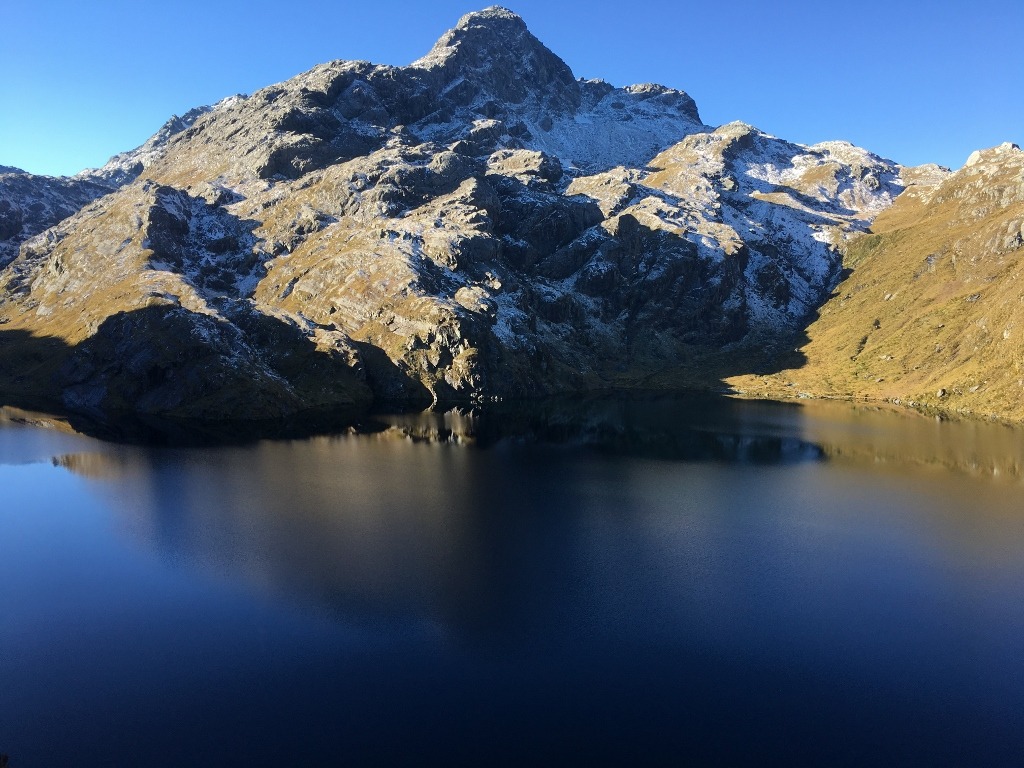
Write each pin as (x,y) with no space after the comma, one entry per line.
(479,223)
(30,204)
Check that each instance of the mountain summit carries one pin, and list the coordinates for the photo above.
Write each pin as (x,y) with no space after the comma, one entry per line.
(493,50)
(479,223)
(491,67)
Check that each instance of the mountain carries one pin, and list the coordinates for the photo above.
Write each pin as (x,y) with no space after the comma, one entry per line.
(478,224)
(30,204)
(932,312)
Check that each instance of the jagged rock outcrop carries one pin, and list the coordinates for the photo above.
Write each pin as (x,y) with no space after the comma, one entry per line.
(30,204)
(932,311)
(479,223)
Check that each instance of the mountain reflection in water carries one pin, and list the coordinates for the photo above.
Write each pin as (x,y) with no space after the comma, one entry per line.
(417,512)
(585,581)
(399,514)
(697,428)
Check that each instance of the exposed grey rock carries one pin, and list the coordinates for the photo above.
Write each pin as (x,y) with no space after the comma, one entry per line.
(30,204)
(534,169)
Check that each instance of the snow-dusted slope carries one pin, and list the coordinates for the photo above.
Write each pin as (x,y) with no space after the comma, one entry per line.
(30,204)
(488,84)
(490,67)
(790,206)
(127,166)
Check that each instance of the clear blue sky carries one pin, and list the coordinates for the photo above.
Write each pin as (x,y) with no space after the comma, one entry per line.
(914,81)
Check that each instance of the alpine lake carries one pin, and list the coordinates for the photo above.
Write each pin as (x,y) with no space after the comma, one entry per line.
(679,581)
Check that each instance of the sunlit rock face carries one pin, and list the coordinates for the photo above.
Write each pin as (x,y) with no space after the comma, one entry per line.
(479,223)
(30,204)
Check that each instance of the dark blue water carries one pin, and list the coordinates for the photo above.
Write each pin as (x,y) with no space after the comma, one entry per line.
(659,583)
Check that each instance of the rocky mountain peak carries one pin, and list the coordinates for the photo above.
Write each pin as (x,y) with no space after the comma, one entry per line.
(991,179)
(1006,150)
(495,17)
(494,48)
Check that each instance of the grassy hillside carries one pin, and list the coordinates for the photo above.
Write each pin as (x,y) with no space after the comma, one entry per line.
(932,310)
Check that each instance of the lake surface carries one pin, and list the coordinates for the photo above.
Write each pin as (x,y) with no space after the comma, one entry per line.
(697,581)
